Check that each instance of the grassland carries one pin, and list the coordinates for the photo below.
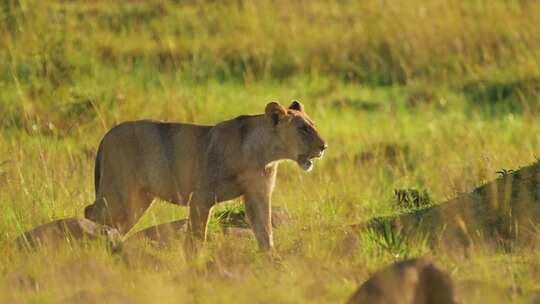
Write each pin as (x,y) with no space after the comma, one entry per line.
(429,95)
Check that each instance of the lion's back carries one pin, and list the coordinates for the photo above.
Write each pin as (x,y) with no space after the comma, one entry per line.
(159,157)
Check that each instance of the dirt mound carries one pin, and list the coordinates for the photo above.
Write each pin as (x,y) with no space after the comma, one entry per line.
(503,210)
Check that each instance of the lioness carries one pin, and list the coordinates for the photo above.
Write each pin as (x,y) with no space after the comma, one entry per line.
(201,166)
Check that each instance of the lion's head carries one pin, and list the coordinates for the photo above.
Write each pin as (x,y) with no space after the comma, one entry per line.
(296,133)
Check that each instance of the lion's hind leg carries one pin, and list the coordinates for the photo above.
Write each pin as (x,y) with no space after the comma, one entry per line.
(200,207)
(119,211)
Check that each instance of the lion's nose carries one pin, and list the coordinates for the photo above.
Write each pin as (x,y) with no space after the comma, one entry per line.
(324,147)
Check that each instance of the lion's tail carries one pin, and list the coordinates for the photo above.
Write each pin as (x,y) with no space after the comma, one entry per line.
(97,168)
(89,210)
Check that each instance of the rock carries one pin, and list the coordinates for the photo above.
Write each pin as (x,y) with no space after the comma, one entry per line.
(503,210)
(414,281)
(63,230)
(410,281)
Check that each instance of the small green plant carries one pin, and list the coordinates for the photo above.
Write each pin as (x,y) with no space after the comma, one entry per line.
(392,241)
(232,215)
(412,198)
(504,172)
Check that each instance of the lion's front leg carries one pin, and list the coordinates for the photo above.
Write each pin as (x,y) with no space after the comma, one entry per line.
(258,214)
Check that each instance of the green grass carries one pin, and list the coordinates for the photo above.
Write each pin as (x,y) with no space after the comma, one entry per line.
(416,95)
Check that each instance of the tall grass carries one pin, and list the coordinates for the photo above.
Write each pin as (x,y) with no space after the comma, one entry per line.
(381,42)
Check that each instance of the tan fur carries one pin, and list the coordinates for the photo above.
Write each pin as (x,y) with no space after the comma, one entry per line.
(200,166)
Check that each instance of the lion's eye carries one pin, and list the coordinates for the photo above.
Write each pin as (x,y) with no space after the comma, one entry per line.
(304,128)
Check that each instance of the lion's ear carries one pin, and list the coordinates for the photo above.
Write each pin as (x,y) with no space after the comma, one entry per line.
(275,112)
(296,105)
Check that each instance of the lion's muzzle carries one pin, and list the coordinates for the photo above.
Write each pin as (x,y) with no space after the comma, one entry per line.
(305,161)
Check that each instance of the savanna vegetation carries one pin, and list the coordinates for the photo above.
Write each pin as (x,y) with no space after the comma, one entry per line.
(421,99)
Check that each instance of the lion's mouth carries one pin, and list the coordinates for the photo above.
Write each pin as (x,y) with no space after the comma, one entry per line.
(307,165)
(305,161)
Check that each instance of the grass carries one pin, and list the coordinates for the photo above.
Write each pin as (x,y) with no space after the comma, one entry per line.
(416,95)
